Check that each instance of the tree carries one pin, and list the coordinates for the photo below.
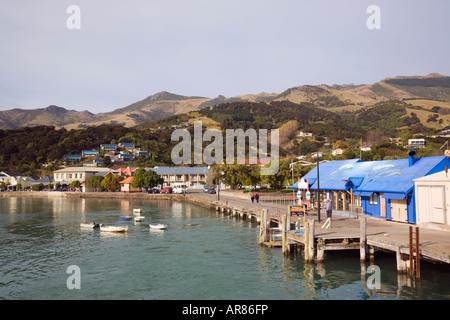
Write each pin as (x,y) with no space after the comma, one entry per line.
(38,187)
(75,184)
(94,182)
(111,182)
(276,180)
(146,179)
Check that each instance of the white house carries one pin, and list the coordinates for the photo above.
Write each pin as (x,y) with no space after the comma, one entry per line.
(433,201)
(304,134)
(67,175)
(417,143)
(191,176)
(12,179)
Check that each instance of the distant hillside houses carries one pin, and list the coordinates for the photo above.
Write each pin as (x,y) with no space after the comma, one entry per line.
(120,153)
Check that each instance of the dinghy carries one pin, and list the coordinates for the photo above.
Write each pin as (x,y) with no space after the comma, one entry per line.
(137,211)
(126,218)
(139,219)
(114,228)
(158,226)
(89,225)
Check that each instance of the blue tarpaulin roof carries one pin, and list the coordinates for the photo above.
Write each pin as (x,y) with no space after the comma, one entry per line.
(396,196)
(362,193)
(392,176)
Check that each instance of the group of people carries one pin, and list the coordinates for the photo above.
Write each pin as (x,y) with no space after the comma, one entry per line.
(254,197)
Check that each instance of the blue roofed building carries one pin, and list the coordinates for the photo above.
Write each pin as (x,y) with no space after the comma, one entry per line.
(383,189)
(90,153)
(108,147)
(72,157)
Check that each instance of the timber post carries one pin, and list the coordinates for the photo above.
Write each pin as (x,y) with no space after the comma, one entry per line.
(309,241)
(263,226)
(284,247)
(362,238)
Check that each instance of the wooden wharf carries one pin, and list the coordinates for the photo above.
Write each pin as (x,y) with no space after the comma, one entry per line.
(305,235)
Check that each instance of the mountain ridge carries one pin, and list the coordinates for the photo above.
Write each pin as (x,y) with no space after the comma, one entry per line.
(432,88)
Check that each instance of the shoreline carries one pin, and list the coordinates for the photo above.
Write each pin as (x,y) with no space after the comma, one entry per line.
(190,198)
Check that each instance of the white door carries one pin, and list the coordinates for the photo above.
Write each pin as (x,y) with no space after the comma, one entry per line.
(399,210)
(437,204)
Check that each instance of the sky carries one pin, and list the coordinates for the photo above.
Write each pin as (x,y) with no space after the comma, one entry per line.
(109,54)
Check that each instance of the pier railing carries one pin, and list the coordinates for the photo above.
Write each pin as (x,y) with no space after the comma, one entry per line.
(278,200)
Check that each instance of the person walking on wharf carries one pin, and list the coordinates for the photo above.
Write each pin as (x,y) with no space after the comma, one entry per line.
(328,208)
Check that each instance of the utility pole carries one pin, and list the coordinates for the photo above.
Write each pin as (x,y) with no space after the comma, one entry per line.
(318,188)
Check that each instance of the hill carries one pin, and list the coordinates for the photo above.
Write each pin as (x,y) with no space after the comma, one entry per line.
(50,116)
(429,96)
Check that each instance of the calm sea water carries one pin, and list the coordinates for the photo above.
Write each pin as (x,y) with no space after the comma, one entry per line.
(201,256)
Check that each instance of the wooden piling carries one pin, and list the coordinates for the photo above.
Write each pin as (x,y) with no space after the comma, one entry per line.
(309,241)
(263,226)
(284,246)
(320,250)
(362,238)
(417,254)
(401,264)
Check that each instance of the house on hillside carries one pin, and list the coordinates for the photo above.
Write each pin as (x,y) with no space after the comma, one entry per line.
(72,158)
(108,147)
(416,143)
(128,146)
(383,189)
(89,153)
(126,157)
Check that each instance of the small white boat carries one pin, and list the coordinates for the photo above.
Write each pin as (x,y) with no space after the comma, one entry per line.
(139,219)
(90,225)
(158,226)
(137,211)
(114,228)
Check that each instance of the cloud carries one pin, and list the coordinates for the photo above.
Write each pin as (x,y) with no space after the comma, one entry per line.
(126,51)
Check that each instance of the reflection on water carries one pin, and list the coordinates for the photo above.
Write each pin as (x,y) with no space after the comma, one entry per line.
(202,255)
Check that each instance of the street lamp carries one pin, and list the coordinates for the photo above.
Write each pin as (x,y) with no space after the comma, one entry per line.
(318,188)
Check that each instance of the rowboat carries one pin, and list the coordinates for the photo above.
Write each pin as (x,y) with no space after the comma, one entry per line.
(89,225)
(114,228)
(139,219)
(158,226)
(126,217)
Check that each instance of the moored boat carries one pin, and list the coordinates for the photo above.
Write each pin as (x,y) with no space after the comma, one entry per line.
(158,226)
(114,228)
(126,218)
(89,225)
(137,211)
(139,219)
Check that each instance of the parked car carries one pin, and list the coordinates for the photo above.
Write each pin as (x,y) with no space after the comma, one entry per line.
(166,190)
(180,190)
(153,190)
(211,190)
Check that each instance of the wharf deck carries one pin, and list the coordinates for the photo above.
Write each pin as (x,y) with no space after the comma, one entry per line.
(344,234)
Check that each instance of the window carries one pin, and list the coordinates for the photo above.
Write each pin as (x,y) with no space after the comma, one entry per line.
(357,201)
(373,199)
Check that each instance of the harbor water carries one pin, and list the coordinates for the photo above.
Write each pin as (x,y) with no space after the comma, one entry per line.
(202,255)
